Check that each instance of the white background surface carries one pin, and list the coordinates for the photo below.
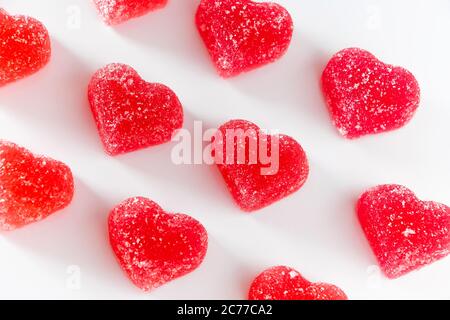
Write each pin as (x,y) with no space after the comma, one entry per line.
(314,230)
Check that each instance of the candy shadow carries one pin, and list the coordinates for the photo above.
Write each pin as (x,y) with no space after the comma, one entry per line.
(173,31)
(53,102)
(291,84)
(76,236)
(222,275)
(202,181)
(314,223)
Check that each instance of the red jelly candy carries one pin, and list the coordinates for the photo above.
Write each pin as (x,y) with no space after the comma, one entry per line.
(130,113)
(118,11)
(404,232)
(241,35)
(31,187)
(366,96)
(24,47)
(154,247)
(258,169)
(284,283)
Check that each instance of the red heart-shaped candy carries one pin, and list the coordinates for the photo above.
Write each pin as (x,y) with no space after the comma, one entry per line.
(154,247)
(241,35)
(284,283)
(130,113)
(404,232)
(269,169)
(31,187)
(24,47)
(118,11)
(366,96)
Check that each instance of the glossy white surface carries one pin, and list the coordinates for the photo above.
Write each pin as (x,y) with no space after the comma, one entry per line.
(314,231)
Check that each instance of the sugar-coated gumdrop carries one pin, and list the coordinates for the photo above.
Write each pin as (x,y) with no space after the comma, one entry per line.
(367,96)
(154,247)
(284,283)
(117,11)
(404,232)
(31,187)
(130,113)
(258,169)
(241,35)
(24,47)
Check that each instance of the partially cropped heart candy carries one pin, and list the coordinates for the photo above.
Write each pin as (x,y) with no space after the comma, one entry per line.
(24,47)
(241,35)
(154,247)
(130,113)
(259,169)
(367,96)
(284,283)
(404,232)
(117,11)
(31,187)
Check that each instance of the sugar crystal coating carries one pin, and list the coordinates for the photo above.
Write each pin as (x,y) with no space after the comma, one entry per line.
(241,35)
(250,187)
(284,283)
(367,96)
(31,187)
(404,232)
(130,113)
(117,11)
(154,247)
(24,47)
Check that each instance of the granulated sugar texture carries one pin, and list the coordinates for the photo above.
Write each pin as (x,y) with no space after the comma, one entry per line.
(404,232)
(24,47)
(241,35)
(118,11)
(130,113)
(154,247)
(367,96)
(284,283)
(31,187)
